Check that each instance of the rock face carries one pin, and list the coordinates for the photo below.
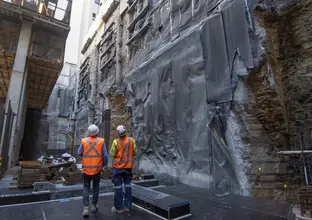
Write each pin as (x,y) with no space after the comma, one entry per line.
(287,26)
(213,90)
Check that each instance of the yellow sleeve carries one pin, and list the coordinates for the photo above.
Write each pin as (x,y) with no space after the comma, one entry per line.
(113,150)
(134,147)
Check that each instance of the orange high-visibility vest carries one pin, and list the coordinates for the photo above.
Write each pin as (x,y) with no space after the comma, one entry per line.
(124,156)
(92,156)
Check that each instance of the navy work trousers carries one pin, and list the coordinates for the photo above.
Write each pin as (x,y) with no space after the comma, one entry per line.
(124,177)
(86,188)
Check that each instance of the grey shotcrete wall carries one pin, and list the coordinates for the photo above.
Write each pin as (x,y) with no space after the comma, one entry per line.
(181,86)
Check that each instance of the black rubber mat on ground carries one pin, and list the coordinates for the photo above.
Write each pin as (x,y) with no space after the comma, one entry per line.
(59,192)
(69,209)
(162,204)
(204,205)
(209,205)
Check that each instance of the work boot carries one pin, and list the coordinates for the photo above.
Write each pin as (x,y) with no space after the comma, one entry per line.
(117,211)
(85,212)
(94,208)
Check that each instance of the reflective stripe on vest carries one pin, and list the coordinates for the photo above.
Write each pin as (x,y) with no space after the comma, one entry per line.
(92,147)
(125,153)
(91,167)
(92,158)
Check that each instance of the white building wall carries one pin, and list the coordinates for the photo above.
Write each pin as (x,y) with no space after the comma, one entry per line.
(68,71)
(80,23)
(89,7)
(73,39)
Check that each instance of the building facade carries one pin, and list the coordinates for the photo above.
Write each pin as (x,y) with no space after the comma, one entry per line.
(60,115)
(32,55)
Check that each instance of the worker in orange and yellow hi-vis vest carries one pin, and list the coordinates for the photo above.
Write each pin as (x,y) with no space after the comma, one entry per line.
(123,151)
(94,158)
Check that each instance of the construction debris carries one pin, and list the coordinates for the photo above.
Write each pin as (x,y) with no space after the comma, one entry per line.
(56,170)
(50,159)
(68,157)
(31,172)
(306,201)
(68,173)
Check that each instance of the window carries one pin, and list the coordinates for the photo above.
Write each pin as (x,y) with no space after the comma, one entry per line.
(93,16)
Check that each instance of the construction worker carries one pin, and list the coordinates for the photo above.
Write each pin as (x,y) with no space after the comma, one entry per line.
(94,158)
(123,151)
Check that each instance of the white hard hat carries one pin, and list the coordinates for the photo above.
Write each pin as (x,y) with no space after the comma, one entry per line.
(72,159)
(121,130)
(93,130)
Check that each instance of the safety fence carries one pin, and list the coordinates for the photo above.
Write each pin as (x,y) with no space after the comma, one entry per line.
(56,9)
(6,122)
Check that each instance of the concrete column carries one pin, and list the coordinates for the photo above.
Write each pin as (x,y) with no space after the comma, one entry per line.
(21,117)
(18,72)
(23,104)
(17,92)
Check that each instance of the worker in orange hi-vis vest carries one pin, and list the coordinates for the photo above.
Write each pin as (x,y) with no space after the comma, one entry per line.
(123,151)
(94,158)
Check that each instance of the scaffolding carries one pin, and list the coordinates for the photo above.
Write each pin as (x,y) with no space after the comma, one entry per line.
(56,9)
(304,157)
